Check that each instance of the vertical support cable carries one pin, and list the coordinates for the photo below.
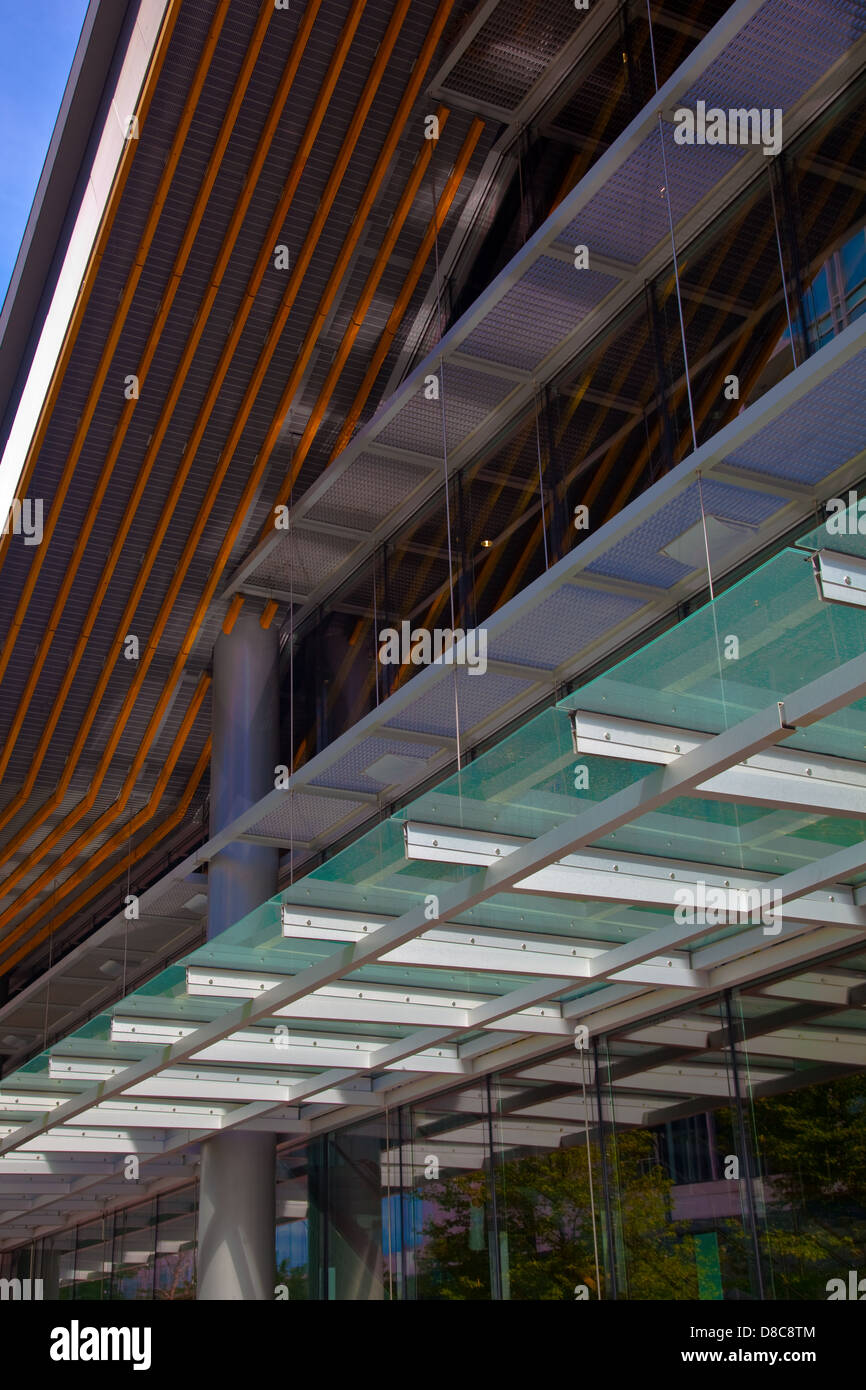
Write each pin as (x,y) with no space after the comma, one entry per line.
(707,553)
(794,256)
(102,1246)
(387,681)
(713,606)
(550,408)
(404,1279)
(319,1216)
(589,1174)
(48,981)
(465,588)
(388,1203)
(719,658)
(292,684)
(523,218)
(155,1245)
(73,1280)
(493,1242)
(605,1185)
(751,1214)
(782,265)
(667,451)
(667,194)
(376,662)
(445,468)
(537,407)
(128,895)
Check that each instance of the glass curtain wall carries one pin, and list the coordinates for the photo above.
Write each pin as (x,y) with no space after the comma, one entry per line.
(620,1173)
(810,1143)
(715,1153)
(294,1271)
(146,1252)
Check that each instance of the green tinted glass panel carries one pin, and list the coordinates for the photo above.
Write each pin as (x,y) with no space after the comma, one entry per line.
(757,643)
(843,528)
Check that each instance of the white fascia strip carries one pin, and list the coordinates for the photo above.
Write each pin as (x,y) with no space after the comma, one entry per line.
(841,1048)
(781,777)
(112,144)
(480,949)
(161,1031)
(841,578)
(76,1140)
(627,879)
(830,987)
(418,1050)
(140,1115)
(212,1084)
(454,947)
(347,1004)
(323,1050)
(20,1100)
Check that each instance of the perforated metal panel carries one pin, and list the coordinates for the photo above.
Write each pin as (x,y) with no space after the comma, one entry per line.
(748,72)
(533,318)
(629,216)
(476,696)
(303,561)
(368,491)
(348,772)
(173,902)
(627,219)
(469,397)
(637,557)
(817,434)
(511,51)
(569,620)
(302,817)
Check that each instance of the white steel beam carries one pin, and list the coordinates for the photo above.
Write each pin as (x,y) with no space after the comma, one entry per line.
(630,878)
(841,1047)
(782,777)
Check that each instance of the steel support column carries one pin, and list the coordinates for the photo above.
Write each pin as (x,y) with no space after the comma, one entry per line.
(236,1225)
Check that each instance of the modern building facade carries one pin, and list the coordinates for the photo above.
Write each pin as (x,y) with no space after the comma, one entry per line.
(433,790)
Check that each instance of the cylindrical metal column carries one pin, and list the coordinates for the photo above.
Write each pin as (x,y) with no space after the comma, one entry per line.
(236,1220)
(236,1236)
(245,700)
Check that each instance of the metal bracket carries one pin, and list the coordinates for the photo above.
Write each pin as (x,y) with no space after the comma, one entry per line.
(840,578)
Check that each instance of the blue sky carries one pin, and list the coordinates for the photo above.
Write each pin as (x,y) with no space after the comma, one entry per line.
(37,45)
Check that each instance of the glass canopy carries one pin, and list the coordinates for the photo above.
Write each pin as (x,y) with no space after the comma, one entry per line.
(610,860)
